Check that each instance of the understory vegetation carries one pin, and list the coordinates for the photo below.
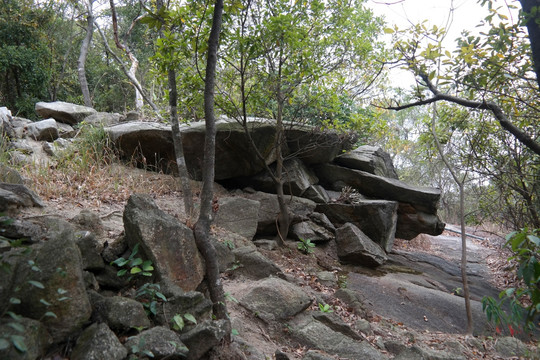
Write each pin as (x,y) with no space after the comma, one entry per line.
(322,63)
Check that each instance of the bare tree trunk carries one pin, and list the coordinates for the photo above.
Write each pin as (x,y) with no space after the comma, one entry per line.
(133,80)
(202,227)
(134,62)
(284,219)
(460,183)
(84,54)
(178,146)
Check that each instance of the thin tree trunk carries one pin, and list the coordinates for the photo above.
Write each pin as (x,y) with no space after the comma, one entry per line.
(84,54)
(178,146)
(133,80)
(284,219)
(134,62)
(202,227)
(460,183)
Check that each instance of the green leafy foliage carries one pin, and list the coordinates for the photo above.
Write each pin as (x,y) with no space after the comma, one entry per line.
(133,265)
(178,322)
(149,294)
(524,301)
(306,246)
(325,308)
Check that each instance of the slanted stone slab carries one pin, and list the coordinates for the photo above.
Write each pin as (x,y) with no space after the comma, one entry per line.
(313,146)
(312,231)
(275,299)
(412,222)
(378,187)
(371,159)
(238,215)
(269,210)
(44,130)
(316,335)
(152,144)
(17,195)
(296,176)
(376,218)
(98,342)
(253,264)
(355,247)
(169,244)
(160,341)
(64,112)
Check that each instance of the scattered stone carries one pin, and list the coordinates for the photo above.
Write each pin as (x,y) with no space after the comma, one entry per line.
(335,323)
(64,290)
(266,244)
(98,342)
(254,265)
(34,337)
(10,176)
(275,299)
(309,230)
(120,313)
(64,112)
(107,278)
(169,244)
(238,215)
(376,218)
(368,158)
(352,299)
(204,337)
(512,347)
(327,278)
(317,194)
(90,249)
(318,336)
(103,119)
(162,342)
(44,130)
(355,247)
(17,195)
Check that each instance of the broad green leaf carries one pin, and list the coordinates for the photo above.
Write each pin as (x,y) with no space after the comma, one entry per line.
(14,301)
(121,272)
(18,342)
(50,314)
(135,270)
(36,284)
(190,318)
(17,326)
(45,302)
(136,262)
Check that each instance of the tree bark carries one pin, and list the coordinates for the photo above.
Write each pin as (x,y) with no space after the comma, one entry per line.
(84,54)
(134,62)
(531,8)
(133,79)
(460,183)
(202,227)
(178,146)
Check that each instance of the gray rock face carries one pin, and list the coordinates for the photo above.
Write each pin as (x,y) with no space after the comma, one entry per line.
(169,244)
(269,210)
(120,313)
(204,337)
(61,268)
(355,247)
(368,158)
(17,195)
(234,157)
(379,187)
(376,218)
(98,342)
(275,299)
(35,337)
(312,231)
(90,250)
(161,342)
(44,130)
(238,215)
(512,347)
(316,193)
(254,265)
(412,222)
(297,179)
(103,119)
(64,112)
(316,335)
(313,146)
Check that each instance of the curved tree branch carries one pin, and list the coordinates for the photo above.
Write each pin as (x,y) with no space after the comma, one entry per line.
(499,114)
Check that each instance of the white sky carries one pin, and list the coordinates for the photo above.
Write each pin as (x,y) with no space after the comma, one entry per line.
(467,15)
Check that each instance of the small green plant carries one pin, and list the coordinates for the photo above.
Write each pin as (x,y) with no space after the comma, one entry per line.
(306,246)
(134,265)
(139,349)
(325,308)
(525,245)
(178,322)
(150,296)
